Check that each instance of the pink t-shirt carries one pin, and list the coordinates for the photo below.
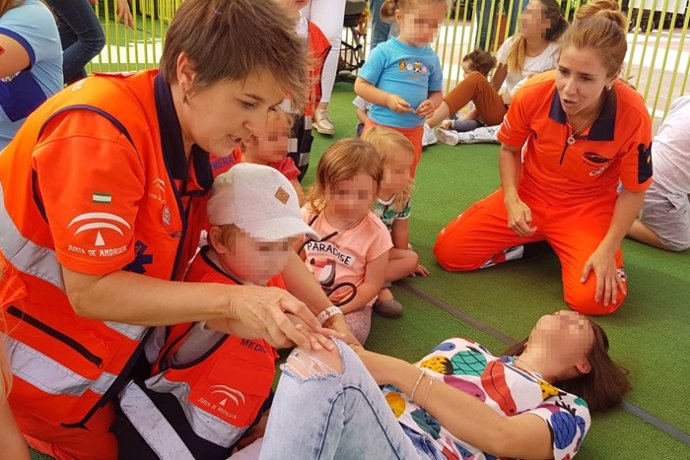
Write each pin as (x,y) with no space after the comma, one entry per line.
(342,257)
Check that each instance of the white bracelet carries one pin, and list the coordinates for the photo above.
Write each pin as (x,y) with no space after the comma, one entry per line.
(328,313)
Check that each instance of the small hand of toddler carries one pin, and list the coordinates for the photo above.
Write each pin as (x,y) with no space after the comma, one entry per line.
(447,124)
(426,109)
(398,104)
(506,97)
(421,270)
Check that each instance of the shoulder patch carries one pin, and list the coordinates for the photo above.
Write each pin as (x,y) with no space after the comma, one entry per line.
(644,163)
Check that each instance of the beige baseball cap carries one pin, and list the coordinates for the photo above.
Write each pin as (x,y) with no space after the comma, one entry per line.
(260,201)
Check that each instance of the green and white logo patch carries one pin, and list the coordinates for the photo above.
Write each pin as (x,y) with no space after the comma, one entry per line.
(103,198)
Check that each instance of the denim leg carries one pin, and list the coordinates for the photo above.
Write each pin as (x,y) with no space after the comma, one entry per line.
(334,415)
(380,28)
(86,39)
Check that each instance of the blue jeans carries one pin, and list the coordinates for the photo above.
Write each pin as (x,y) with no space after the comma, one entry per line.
(338,416)
(486,34)
(381,29)
(80,33)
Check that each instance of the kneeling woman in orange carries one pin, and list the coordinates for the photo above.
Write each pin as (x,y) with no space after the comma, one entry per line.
(585,130)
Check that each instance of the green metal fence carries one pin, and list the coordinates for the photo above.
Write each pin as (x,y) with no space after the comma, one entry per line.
(657,64)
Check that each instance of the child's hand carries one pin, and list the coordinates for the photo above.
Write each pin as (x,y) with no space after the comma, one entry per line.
(398,104)
(506,97)
(426,109)
(447,124)
(319,338)
(421,270)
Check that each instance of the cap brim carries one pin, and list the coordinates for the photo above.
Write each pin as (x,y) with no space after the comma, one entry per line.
(278,229)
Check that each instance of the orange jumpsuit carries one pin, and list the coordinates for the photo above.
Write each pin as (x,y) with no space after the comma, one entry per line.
(570,189)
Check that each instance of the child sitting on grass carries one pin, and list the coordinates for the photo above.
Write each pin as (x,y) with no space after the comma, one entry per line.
(393,208)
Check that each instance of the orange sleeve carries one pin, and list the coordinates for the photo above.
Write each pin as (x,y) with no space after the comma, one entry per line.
(636,164)
(90,181)
(515,128)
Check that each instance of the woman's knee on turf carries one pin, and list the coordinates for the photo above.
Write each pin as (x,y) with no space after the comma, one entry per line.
(581,300)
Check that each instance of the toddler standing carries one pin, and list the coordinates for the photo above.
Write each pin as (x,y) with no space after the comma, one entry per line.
(402,76)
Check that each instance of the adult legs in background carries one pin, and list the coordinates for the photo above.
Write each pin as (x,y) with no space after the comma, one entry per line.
(380,28)
(476,88)
(329,15)
(81,35)
(664,221)
(327,406)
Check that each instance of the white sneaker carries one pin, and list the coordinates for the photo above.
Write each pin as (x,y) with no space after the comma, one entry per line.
(447,137)
(429,136)
(323,123)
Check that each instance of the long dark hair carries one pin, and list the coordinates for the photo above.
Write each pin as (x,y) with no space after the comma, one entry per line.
(607,382)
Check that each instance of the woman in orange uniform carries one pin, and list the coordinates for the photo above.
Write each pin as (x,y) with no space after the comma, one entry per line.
(102,202)
(583,131)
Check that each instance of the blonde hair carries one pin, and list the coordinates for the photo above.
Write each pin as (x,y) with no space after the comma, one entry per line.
(390,6)
(389,144)
(601,27)
(343,160)
(232,39)
(557,25)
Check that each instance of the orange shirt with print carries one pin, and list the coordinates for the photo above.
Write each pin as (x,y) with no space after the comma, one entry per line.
(615,148)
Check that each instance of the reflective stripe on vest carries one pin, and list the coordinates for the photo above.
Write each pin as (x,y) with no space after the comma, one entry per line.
(151,425)
(203,424)
(25,255)
(49,375)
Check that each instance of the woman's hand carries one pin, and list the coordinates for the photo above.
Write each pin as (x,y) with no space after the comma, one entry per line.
(398,104)
(426,109)
(263,312)
(320,338)
(447,124)
(603,263)
(123,13)
(519,217)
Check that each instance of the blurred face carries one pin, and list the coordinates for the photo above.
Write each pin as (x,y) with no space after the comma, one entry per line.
(533,23)
(250,259)
(396,173)
(419,24)
(272,146)
(467,67)
(218,117)
(581,80)
(352,198)
(566,334)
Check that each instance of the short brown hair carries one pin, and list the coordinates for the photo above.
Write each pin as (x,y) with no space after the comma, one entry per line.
(231,39)
(343,160)
(600,26)
(480,61)
(606,383)
(389,6)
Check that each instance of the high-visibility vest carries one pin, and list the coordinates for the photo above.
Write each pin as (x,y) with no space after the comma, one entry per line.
(65,366)
(202,406)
